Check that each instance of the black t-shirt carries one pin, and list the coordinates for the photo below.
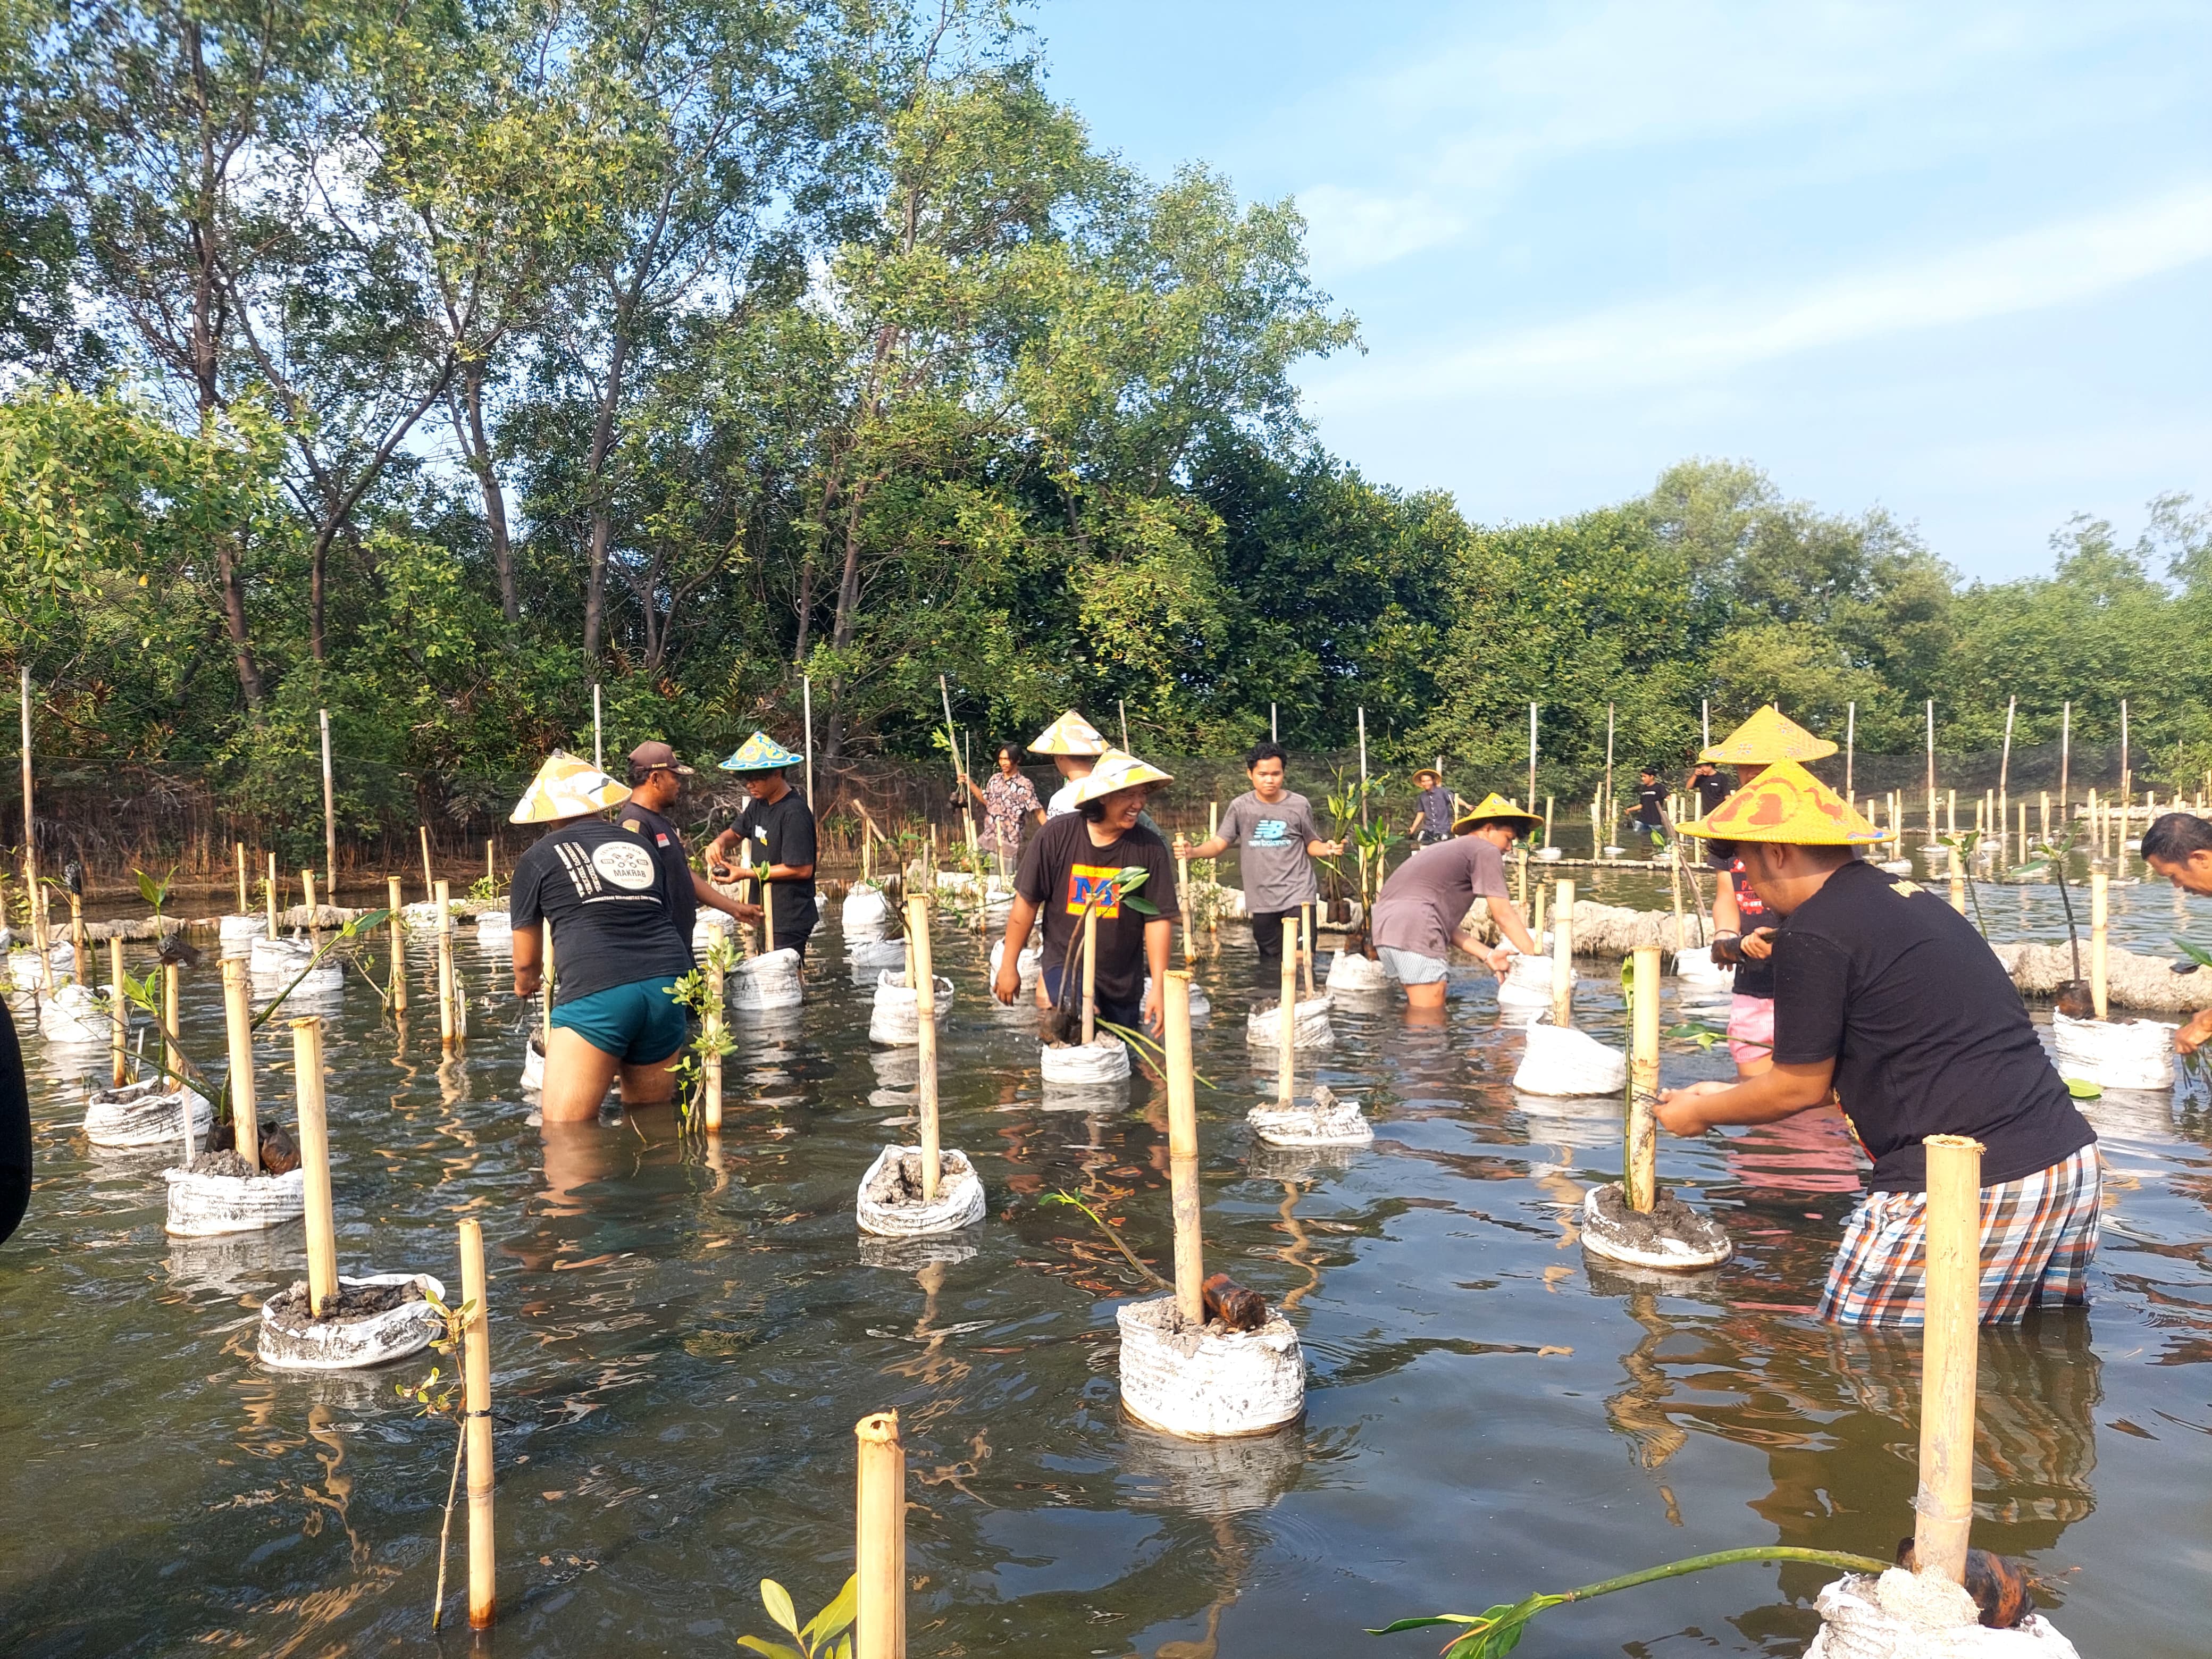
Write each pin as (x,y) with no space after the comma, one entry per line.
(605,891)
(1712,790)
(668,847)
(1061,869)
(1753,979)
(1928,1035)
(783,833)
(1650,804)
(14,1129)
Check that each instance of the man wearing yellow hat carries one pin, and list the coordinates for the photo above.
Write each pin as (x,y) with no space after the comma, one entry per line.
(1073,867)
(609,900)
(1075,745)
(1742,934)
(1887,996)
(1420,912)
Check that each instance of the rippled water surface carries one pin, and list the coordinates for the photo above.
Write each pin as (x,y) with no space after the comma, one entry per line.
(684,1334)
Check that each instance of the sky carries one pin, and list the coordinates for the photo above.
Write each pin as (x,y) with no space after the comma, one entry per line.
(1954,260)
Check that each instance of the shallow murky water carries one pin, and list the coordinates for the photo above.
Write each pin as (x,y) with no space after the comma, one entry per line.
(683,1337)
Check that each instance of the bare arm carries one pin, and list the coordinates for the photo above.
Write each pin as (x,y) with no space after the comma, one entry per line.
(1778,1092)
(1508,916)
(1212,847)
(1020,919)
(1159,940)
(715,899)
(529,971)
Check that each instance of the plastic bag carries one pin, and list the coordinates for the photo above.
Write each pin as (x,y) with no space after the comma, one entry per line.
(895,1020)
(767,981)
(1564,1063)
(2135,1054)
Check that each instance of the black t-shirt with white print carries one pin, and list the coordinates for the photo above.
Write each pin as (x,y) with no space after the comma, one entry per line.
(1928,1035)
(605,891)
(668,847)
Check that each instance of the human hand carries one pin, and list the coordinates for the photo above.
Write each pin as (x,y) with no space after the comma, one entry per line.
(527,981)
(1156,1010)
(749,913)
(1008,981)
(2193,1036)
(1181,846)
(1677,1110)
(1758,944)
(1727,949)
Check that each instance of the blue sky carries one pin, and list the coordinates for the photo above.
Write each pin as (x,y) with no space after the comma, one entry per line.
(1952,259)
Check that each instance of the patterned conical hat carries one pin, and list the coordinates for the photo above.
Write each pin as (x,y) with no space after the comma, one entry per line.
(1070,734)
(567,787)
(1117,769)
(1767,737)
(1785,803)
(761,753)
(1495,807)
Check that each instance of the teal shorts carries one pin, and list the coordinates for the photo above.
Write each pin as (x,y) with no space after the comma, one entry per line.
(641,1024)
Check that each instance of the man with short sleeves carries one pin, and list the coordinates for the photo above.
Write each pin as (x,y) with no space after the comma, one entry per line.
(1888,997)
(1275,827)
(656,783)
(778,826)
(1421,911)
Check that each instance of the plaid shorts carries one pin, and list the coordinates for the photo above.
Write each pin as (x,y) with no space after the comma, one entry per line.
(2037,1235)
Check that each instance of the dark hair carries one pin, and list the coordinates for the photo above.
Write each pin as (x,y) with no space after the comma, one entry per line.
(1013,749)
(1649,771)
(1259,751)
(1094,812)
(2175,837)
(639,774)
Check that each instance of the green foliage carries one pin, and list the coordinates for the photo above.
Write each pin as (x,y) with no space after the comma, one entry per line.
(828,1635)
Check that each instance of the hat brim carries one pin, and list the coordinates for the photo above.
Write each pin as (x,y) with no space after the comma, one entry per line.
(1518,818)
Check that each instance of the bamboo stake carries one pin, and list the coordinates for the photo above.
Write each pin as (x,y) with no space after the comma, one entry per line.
(1609,767)
(1931,771)
(307,887)
(1532,753)
(1563,956)
(315,1162)
(1950,812)
(429,886)
(2045,798)
(807,702)
(879,1600)
(330,811)
(925,1009)
(244,899)
(711,1027)
(1362,766)
(1306,943)
(1536,921)
(80,956)
(442,895)
(1090,975)
(2065,758)
(397,928)
(271,895)
(238,1027)
(1640,1180)
(31,839)
(1547,820)
(598,730)
(491,869)
(172,1060)
(118,1015)
(483,1599)
(1183,903)
(1958,884)
(1182,1153)
(1674,875)
(1944,1507)
(1850,746)
(1286,1044)
(1122,704)
(2100,900)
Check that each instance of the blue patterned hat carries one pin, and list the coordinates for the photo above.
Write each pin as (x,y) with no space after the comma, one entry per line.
(761,753)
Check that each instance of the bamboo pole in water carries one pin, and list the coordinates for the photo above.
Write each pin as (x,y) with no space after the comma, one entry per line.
(315,1162)
(244,899)
(442,895)
(710,1071)
(1931,771)
(1944,1507)
(1958,884)
(879,1596)
(1182,900)
(329,812)
(80,955)
(1563,956)
(2004,778)
(1090,973)
(2100,901)
(491,867)
(924,1013)
(308,888)
(238,1028)
(483,1600)
(397,929)
(271,895)
(1286,1040)
(30,844)
(172,1059)
(1640,1180)
(1306,943)
(1531,796)
(1182,1152)
(429,885)
(2065,758)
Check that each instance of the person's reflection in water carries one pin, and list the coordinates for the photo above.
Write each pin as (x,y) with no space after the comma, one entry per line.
(576,1155)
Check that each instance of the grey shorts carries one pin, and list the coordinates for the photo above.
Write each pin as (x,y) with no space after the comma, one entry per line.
(1411,967)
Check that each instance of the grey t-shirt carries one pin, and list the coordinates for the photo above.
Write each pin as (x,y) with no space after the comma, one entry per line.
(1428,895)
(1276,873)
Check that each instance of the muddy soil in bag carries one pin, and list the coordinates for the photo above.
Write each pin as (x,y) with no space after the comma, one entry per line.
(684,1335)
(352,1304)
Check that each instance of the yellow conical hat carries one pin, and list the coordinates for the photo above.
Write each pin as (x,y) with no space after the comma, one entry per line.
(1118,770)
(1767,737)
(567,787)
(1785,803)
(1495,805)
(1070,734)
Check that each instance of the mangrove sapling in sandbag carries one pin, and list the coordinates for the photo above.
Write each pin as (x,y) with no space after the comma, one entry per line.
(769,980)
(929,1188)
(1103,1060)
(1355,966)
(74,1016)
(865,911)
(151,1112)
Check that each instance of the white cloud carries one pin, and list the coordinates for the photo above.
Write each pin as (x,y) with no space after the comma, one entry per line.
(1684,339)
(1351,230)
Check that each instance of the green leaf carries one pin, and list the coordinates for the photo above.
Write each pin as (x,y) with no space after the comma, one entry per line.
(777,1601)
(773,1650)
(2082,1089)
(2197,954)
(1141,906)
(836,1618)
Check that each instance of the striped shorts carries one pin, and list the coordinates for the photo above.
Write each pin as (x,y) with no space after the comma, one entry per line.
(2037,1235)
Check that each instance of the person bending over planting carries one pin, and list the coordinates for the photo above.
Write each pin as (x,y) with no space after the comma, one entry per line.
(1887,996)
(610,899)
(1275,827)
(1421,911)
(1073,868)
(2180,848)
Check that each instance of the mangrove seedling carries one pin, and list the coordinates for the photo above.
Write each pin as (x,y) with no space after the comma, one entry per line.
(826,1635)
(438,1398)
(695,992)
(1113,1237)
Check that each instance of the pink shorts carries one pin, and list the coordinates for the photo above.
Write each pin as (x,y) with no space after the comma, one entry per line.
(1751,1028)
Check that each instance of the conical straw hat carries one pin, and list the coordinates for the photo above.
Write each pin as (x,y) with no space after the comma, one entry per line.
(1767,737)
(1495,807)
(1117,770)
(567,787)
(1786,804)
(1070,734)
(761,753)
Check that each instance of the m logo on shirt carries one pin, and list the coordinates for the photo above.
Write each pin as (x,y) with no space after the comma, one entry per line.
(1090,883)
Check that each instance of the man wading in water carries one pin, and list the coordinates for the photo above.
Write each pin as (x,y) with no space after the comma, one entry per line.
(610,899)
(1419,912)
(1275,827)
(1886,995)
(656,782)
(2180,848)
(779,826)
(1071,867)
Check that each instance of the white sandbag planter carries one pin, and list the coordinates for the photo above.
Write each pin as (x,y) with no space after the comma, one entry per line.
(1028,965)
(290,1341)
(1673,1235)
(1350,971)
(24,972)
(495,930)
(74,1017)
(1904,1615)
(2135,1054)
(1309,1028)
(1325,1121)
(1208,1383)
(895,1020)
(205,1206)
(147,1114)
(767,981)
(1562,1062)
(865,910)
(891,1204)
(422,913)
(533,1064)
(280,961)
(1104,1059)
(1695,964)
(875,953)
(239,932)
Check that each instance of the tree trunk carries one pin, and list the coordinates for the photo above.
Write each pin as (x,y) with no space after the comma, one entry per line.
(603,432)
(234,623)
(478,449)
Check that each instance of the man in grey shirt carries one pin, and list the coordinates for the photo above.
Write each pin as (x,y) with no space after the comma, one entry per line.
(1275,827)
(1418,913)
